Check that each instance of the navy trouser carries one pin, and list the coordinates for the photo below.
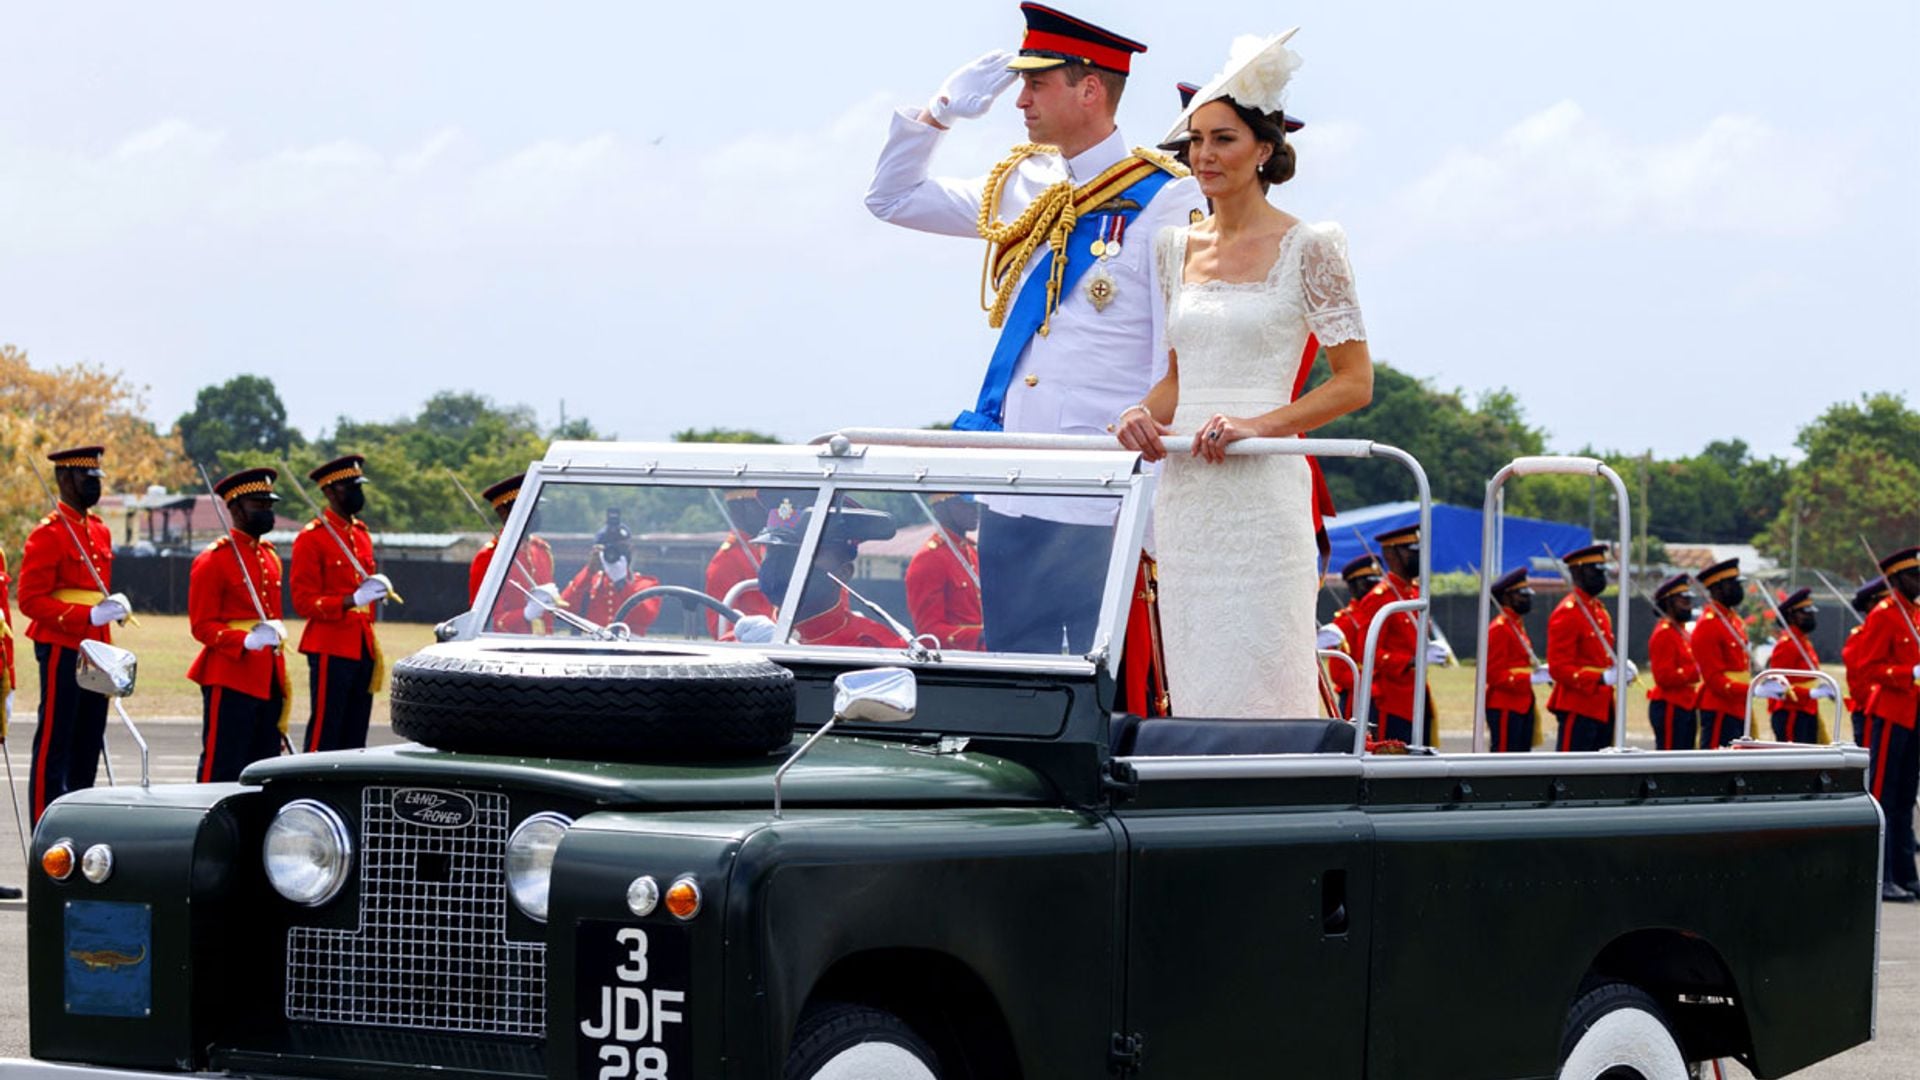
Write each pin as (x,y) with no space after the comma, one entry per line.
(1673,729)
(1583,732)
(73,727)
(236,730)
(1859,728)
(1718,729)
(1791,725)
(1509,732)
(1040,584)
(342,701)
(1893,775)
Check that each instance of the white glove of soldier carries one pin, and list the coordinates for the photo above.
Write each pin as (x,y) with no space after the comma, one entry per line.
(115,608)
(1823,692)
(754,629)
(1438,653)
(616,570)
(1329,637)
(969,92)
(1541,676)
(540,600)
(1608,676)
(374,588)
(1916,673)
(262,636)
(1773,688)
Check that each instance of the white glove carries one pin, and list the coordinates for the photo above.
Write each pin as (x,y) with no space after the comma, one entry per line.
(114,608)
(1329,637)
(1823,692)
(1608,676)
(1916,673)
(754,629)
(1773,688)
(374,588)
(1438,653)
(262,636)
(540,600)
(969,92)
(1541,676)
(616,570)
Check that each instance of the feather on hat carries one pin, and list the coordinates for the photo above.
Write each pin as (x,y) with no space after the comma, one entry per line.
(1256,76)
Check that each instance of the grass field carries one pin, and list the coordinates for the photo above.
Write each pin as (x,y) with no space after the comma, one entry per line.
(166,648)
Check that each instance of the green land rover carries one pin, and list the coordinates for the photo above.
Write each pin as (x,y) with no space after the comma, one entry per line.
(689,840)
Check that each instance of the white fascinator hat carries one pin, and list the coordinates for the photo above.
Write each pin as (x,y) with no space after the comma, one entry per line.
(1256,76)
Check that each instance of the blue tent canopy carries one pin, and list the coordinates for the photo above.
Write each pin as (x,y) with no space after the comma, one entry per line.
(1456,536)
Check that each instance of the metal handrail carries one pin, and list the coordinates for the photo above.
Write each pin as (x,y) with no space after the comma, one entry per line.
(1352,665)
(1746,727)
(1536,466)
(1363,691)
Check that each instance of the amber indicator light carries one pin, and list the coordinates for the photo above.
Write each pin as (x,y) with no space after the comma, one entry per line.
(57,860)
(683,898)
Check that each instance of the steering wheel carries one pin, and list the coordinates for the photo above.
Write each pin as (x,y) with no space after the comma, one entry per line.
(679,592)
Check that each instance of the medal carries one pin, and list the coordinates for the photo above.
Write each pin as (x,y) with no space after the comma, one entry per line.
(1100,287)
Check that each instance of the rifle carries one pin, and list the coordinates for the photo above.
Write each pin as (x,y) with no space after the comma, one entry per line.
(226,522)
(1893,593)
(1785,628)
(79,547)
(345,548)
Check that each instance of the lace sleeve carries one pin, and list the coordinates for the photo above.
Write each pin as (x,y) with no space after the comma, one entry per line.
(1326,286)
(1168,255)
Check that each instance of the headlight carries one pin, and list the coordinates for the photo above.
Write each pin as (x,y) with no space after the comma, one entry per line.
(530,861)
(307,852)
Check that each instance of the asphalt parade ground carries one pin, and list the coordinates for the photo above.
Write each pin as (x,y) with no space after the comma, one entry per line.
(175,751)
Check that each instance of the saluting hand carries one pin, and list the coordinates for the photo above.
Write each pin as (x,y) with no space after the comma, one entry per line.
(969,92)
(1138,431)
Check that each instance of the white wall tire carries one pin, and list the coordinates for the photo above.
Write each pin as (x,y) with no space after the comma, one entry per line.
(856,1042)
(1616,1033)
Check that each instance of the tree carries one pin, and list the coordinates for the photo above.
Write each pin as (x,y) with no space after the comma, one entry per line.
(1859,490)
(724,435)
(52,408)
(242,415)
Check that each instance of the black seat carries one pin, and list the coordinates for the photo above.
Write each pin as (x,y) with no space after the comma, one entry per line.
(1181,737)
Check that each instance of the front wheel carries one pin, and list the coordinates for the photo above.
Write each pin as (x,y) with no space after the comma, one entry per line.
(1616,1032)
(856,1042)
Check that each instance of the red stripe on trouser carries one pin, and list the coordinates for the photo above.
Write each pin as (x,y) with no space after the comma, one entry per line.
(319,721)
(1566,732)
(213,735)
(49,696)
(1880,756)
(1501,727)
(1668,744)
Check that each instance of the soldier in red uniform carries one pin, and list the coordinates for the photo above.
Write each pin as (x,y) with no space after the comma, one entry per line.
(1795,703)
(241,670)
(826,615)
(1581,660)
(1889,657)
(1393,662)
(65,605)
(1676,678)
(517,610)
(344,665)
(1859,686)
(9,678)
(608,578)
(1720,650)
(737,560)
(1513,670)
(943,578)
(1343,632)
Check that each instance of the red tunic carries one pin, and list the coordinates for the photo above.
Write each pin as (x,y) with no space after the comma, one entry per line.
(1796,653)
(730,566)
(593,596)
(51,564)
(509,609)
(941,594)
(1347,621)
(1676,678)
(1509,664)
(1887,656)
(1578,659)
(221,614)
(323,586)
(1720,649)
(1859,684)
(1399,644)
(838,625)
(7,674)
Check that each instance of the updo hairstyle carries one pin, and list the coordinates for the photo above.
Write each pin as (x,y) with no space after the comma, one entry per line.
(1268,128)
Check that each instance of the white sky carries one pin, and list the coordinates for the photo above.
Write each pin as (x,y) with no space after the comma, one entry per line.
(1658,223)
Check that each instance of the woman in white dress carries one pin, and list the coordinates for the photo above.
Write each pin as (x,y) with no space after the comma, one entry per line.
(1239,569)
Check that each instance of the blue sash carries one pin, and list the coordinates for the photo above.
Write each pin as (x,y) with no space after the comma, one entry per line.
(1029,309)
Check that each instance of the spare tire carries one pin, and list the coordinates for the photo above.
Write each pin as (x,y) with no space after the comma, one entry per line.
(606,702)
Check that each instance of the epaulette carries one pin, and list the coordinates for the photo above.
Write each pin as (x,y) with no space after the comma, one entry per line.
(1885,602)
(931,544)
(1568,602)
(312,525)
(215,546)
(727,544)
(1163,161)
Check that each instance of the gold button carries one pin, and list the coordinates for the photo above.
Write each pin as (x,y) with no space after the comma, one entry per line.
(1033,380)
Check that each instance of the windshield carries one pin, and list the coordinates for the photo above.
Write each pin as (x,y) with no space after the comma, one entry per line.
(926,571)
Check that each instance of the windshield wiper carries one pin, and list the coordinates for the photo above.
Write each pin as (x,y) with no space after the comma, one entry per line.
(914,650)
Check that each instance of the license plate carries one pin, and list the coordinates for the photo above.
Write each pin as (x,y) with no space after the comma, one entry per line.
(630,994)
(109,962)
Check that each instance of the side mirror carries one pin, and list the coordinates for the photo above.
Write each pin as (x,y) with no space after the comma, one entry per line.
(454,628)
(106,670)
(875,695)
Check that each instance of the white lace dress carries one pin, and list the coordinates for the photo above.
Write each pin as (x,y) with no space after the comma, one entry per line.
(1238,564)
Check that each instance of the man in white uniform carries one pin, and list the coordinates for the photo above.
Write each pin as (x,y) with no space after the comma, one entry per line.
(1070,225)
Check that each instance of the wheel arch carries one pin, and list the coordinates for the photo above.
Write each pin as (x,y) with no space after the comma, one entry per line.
(1698,994)
(943,999)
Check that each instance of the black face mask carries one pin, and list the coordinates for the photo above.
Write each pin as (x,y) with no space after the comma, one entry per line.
(1726,593)
(353,500)
(257,523)
(86,492)
(1805,621)
(1519,602)
(1680,613)
(1591,580)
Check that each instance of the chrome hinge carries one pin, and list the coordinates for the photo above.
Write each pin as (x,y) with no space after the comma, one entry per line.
(1126,1053)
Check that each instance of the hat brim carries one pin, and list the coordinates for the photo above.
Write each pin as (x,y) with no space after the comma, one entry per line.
(1035,63)
(1215,89)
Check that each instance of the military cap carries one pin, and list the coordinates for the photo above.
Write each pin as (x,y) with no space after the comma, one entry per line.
(1673,586)
(1055,38)
(736,494)
(1515,578)
(1405,534)
(942,496)
(256,481)
(1187,90)
(344,468)
(1364,566)
(1587,556)
(1724,570)
(505,492)
(1797,599)
(849,524)
(1863,596)
(79,457)
(1904,559)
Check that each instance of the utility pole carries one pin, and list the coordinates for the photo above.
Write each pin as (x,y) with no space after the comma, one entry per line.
(1793,546)
(1646,510)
